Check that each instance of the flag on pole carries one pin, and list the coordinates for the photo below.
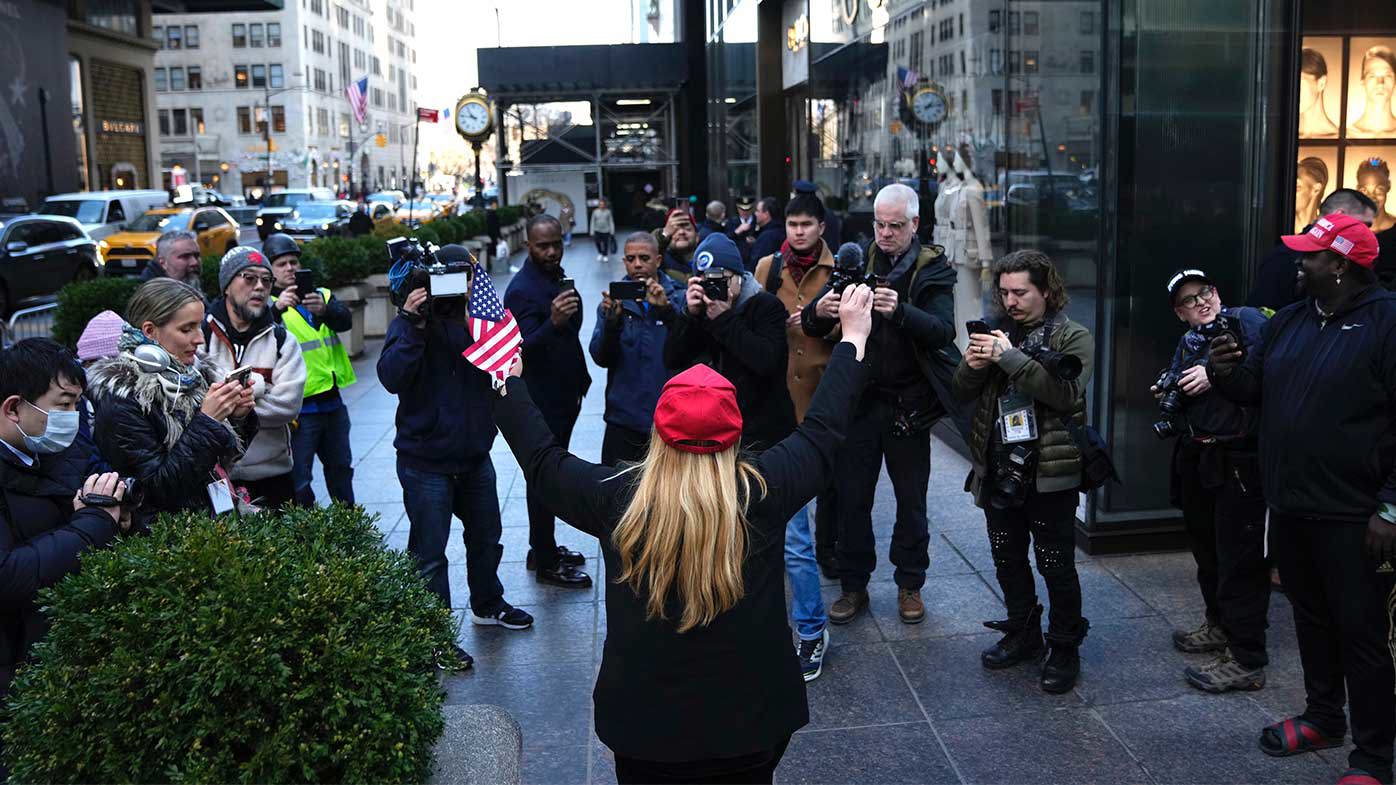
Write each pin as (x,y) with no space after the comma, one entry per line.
(494,334)
(907,77)
(358,98)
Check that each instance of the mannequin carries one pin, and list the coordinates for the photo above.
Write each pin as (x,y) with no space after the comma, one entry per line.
(945,200)
(968,245)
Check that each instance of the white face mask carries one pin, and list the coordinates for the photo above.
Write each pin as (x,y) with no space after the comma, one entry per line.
(59,432)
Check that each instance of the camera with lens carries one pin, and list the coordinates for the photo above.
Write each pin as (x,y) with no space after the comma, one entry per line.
(1170,404)
(715,285)
(843,277)
(441,271)
(130,497)
(1222,326)
(1063,366)
(1015,470)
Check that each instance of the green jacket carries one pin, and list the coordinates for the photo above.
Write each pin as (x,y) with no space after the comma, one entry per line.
(1059,461)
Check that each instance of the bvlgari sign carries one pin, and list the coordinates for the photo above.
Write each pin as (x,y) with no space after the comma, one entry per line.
(122,127)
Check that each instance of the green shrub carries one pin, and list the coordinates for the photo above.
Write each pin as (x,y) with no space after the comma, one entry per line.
(427,234)
(79,302)
(286,647)
(208,276)
(451,230)
(510,215)
(339,260)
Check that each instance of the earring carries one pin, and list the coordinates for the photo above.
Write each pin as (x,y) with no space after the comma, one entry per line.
(1338,279)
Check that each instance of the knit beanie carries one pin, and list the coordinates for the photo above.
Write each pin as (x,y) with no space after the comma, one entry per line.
(98,339)
(237,260)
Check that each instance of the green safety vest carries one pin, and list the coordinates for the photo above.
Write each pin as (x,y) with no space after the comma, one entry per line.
(326,361)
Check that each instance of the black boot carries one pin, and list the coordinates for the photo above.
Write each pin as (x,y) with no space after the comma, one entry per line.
(1020,642)
(1063,664)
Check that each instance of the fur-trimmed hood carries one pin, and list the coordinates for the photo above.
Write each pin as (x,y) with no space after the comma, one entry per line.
(121,377)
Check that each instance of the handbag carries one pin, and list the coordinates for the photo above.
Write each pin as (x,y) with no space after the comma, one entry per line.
(1097,468)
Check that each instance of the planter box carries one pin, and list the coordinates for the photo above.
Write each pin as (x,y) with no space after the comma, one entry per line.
(353,299)
(378,307)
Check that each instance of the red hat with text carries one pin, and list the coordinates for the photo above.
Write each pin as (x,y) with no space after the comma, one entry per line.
(697,412)
(1342,234)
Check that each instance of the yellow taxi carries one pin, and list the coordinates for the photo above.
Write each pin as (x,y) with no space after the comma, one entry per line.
(382,213)
(129,250)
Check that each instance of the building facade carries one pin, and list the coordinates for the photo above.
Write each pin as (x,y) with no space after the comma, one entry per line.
(250,100)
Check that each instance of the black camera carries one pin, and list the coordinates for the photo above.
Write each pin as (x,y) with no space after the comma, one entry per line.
(715,285)
(1066,367)
(1222,326)
(129,499)
(1015,470)
(843,277)
(1170,404)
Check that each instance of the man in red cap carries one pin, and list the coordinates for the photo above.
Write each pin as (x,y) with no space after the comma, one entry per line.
(1324,376)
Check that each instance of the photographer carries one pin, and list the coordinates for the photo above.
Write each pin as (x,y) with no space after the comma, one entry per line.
(444,434)
(1216,483)
(1323,376)
(316,318)
(1027,468)
(550,320)
(911,358)
(678,241)
(239,333)
(45,526)
(629,342)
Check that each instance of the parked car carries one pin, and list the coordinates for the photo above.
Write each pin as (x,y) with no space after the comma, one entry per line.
(382,213)
(445,203)
(395,198)
(128,252)
(104,213)
(40,254)
(415,213)
(318,219)
(275,207)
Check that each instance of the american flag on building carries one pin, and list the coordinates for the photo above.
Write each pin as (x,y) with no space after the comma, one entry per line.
(358,98)
(907,77)
(494,334)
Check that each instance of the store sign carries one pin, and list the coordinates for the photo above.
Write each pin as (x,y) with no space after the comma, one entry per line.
(797,34)
(122,127)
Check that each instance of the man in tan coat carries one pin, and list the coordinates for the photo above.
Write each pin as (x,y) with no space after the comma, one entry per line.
(797,274)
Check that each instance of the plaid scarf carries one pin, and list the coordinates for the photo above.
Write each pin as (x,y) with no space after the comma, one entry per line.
(799,263)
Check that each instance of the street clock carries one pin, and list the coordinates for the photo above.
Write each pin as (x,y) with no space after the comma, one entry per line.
(474,117)
(929,106)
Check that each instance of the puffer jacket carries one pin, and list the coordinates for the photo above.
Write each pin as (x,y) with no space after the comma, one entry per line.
(1059,461)
(163,441)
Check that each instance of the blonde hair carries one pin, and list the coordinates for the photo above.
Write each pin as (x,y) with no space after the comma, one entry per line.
(685,531)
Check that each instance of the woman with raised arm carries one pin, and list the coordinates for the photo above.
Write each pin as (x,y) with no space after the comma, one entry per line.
(699,680)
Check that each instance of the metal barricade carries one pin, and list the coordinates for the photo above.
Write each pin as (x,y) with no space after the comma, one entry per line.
(35,322)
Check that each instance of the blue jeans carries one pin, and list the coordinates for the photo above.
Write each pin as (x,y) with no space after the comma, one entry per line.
(431,499)
(807,604)
(325,434)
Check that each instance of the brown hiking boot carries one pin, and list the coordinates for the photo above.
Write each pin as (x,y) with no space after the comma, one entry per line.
(848,605)
(909,606)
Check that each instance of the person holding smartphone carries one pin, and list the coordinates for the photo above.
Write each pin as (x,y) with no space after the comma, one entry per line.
(315,318)
(631,328)
(548,309)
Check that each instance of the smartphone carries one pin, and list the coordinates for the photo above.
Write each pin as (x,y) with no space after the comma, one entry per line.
(568,285)
(715,286)
(239,375)
(977,327)
(628,290)
(305,282)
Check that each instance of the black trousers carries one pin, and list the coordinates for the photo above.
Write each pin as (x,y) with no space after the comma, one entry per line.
(1224,515)
(909,466)
(755,768)
(271,492)
(1342,616)
(542,535)
(1048,521)
(826,522)
(622,445)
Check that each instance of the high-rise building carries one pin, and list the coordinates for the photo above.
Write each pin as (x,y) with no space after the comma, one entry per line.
(248,100)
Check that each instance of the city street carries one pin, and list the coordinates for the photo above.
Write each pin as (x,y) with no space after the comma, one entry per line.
(896,703)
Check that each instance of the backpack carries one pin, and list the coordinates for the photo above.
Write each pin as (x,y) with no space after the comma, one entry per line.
(773,274)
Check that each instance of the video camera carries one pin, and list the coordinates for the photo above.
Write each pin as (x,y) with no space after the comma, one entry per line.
(443,273)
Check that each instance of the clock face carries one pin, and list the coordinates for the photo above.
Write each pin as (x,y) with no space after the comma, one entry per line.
(928,106)
(472,118)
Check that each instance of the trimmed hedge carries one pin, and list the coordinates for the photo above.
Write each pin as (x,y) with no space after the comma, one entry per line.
(281,647)
(79,302)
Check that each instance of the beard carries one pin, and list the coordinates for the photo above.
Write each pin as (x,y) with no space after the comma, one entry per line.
(247,311)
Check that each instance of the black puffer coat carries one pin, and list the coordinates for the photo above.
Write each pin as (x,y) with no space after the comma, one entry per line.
(164,442)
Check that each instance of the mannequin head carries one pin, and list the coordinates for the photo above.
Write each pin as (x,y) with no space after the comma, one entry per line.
(1313,79)
(1379,75)
(1374,181)
(1308,189)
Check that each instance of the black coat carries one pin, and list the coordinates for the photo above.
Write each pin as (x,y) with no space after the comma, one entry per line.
(554,363)
(41,539)
(733,687)
(767,242)
(168,446)
(747,345)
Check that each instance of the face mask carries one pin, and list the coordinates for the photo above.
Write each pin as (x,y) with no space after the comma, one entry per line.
(58,435)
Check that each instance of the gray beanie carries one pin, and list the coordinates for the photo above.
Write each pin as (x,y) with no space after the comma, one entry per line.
(237,260)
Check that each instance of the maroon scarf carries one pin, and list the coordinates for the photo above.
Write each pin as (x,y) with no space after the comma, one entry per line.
(798,263)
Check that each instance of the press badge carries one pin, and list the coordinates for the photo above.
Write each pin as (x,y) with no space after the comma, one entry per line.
(221,496)
(1017,421)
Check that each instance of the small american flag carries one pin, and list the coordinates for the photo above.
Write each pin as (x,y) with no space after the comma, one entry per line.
(493,330)
(358,98)
(907,77)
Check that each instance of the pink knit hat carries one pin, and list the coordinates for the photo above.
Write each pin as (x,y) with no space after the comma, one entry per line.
(99,338)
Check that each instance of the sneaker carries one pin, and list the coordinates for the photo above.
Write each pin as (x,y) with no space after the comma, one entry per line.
(910,607)
(455,660)
(508,617)
(1208,637)
(848,605)
(1224,674)
(811,654)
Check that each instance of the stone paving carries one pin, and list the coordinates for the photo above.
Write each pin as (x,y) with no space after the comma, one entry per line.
(896,703)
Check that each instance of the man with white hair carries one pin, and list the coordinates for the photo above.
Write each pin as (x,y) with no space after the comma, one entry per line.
(912,357)
(714,220)
(177,257)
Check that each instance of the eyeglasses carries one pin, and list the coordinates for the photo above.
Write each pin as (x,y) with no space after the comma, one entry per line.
(252,279)
(1203,294)
(892,226)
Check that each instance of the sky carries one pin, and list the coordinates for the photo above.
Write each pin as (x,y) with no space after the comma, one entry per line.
(449,32)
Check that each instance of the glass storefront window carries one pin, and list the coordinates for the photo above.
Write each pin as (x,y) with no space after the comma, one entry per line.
(79,113)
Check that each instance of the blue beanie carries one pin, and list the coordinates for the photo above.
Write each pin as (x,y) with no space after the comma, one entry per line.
(717,250)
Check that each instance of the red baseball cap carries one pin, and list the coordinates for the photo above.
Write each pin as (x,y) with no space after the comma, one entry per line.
(697,412)
(1342,234)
